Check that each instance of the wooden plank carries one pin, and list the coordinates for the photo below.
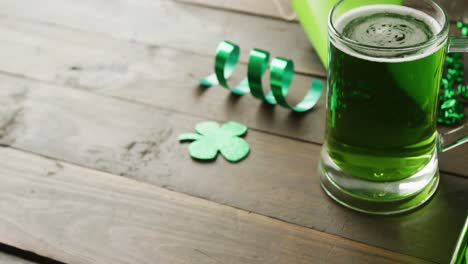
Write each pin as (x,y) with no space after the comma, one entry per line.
(278,179)
(171,24)
(271,8)
(457,9)
(157,76)
(84,216)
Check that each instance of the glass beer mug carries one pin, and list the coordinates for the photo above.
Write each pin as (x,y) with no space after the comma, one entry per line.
(385,67)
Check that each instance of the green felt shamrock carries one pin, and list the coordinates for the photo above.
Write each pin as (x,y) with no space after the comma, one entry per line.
(211,138)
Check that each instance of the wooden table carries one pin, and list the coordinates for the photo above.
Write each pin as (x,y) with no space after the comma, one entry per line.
(94,94)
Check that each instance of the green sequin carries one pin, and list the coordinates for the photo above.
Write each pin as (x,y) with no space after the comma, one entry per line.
(464,31)
(463,91)
(448,94)
(445,83)
(212,138)
(451,110)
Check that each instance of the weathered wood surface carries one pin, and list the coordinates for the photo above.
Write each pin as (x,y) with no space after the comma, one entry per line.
(158,76)
(278,179)
(457,9)
(77,215)
(172,46)
(172,24)
(281,9)
(161,77)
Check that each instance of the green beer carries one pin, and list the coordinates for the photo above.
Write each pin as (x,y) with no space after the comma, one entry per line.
(381,103)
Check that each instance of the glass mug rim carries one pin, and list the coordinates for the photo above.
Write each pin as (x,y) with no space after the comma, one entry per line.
(441,36)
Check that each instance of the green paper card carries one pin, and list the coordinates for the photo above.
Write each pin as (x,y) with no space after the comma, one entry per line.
(313,15)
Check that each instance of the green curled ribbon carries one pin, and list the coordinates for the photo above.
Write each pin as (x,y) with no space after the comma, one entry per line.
(257,67)
(227,57)
(281,76)
(282,72)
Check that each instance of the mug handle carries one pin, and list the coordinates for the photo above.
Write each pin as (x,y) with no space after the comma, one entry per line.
(459,135)
(453,139)
(457,44)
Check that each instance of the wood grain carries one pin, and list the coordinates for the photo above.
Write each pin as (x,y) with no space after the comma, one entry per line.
(139,141)
(158,76)
(457,9)
(77,215)
(278,179)
(171,24)
(161,77)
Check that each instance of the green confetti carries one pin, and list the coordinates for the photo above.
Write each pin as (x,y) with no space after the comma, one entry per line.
(463,91)
(212,138)
(445,83)
(453,73)
(464,31)
(449,59)
(451,110)
(448,94)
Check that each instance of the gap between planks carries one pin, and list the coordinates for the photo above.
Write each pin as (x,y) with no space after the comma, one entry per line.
(12,255)
(11,259)
(174,110)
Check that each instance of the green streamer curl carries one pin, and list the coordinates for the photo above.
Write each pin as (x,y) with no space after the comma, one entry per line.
(281,76)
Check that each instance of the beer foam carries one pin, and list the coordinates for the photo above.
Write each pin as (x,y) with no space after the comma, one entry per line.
(370,10)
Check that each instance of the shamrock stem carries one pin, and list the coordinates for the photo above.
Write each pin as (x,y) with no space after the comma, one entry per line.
(189,137)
